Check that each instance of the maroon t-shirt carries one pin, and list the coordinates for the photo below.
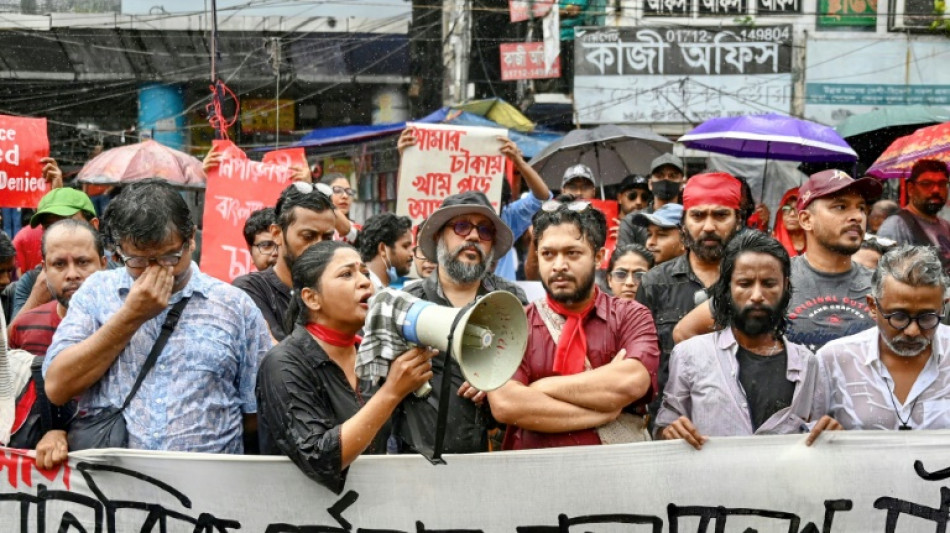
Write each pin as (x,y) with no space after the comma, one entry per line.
(33,330)
(614,324)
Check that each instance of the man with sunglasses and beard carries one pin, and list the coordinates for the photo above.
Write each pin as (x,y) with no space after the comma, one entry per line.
(464,236)
(896,375)
(711,218)
(747,378)
(590,365)
(918,223)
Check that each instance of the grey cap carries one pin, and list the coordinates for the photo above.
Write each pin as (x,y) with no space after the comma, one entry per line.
(578,171)
(666,159)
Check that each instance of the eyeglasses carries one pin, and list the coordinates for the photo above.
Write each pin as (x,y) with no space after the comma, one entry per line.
(789,208)
(552,206)
(265,247)
(620,275)
(899,320)
(932,184)
(344,190)
(417,253)
(168,260)
(635,195)
(307,188)
(463,228)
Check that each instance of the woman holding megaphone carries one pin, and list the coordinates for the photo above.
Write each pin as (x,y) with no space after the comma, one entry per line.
(311,405)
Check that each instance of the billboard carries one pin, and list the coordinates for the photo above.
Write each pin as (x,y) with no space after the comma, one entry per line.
(681,74)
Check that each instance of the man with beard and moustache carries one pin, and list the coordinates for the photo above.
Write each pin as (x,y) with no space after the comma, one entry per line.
(72,250)
(385,245)
(463,236)
(918,223)
(746,379)
(896,375)
(590,365)
(671,290)
(304,217)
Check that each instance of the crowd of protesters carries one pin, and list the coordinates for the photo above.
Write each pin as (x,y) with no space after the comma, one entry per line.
(706,322)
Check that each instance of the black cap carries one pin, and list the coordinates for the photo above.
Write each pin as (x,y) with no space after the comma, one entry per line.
(634,181)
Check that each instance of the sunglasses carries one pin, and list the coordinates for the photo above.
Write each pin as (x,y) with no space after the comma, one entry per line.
(463,228)
(553,206)
(635,195)
(307,188)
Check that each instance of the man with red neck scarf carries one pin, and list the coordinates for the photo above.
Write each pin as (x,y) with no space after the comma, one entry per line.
(590,366)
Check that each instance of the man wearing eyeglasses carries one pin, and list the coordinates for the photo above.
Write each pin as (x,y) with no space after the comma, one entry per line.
(590,365)
(896,375)
(199,396)
(264,251)
(464,236)
(305,216)
(918,223)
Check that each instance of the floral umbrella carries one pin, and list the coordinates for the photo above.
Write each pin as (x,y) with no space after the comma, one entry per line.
(147,159)
(932,142)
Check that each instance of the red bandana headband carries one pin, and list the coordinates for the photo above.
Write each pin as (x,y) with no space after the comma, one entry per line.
(714,188)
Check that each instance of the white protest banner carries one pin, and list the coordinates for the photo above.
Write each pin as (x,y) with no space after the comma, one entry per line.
(861,482)
(448,160)
(23,142)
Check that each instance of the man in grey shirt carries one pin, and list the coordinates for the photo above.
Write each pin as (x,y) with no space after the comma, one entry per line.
(918,223)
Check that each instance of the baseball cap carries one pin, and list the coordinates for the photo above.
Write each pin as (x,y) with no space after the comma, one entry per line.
(668,216)
(462,204)
(578,171)
(666,159)
(829,182)
(64,202)
(633,181)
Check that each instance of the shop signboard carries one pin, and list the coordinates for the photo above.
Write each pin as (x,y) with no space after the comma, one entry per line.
(681,74)
(525,61)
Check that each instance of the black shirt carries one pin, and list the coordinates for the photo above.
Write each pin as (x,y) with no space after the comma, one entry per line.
(303,398)
(468,423)
(270,295)
(763,378)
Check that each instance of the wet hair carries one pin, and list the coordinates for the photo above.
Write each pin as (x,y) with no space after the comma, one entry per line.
(306,272)
(917,266)
(636,249)
(720,293)
(590,222)
(143,212)
(328,179)
(875,244)
(7,249)
(746,202)
(927,165)
(71,224)
(258,222)
(314,201)
(386,228)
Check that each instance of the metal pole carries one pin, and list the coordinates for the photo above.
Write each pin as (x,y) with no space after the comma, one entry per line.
(216,94)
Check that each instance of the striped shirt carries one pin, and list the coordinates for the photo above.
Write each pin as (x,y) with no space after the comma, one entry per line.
(33,330)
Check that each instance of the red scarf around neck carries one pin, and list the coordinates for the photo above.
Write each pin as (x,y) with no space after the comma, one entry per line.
(332,336)
(572,346)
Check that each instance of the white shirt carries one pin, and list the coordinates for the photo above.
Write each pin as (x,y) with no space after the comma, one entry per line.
(861,389)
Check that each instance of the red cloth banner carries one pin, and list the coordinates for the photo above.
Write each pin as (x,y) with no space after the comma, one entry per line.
(525,61)
(525,9)
(23,142)
(236,188)
(611,210)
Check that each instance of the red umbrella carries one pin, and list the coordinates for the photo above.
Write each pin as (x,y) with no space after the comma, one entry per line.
(932,142)
(147,159)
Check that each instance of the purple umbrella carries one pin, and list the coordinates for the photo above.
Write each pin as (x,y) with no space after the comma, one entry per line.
(770,136)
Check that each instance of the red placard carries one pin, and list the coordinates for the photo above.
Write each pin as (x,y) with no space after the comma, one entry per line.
(23,143)
(525,61)
(288,157)
(524,9)
(611,210)
(236,188)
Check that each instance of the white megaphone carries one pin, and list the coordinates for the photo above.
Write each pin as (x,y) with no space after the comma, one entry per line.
(488,341)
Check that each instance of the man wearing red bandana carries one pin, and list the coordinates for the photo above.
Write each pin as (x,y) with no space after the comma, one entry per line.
(590,366)
(710,219)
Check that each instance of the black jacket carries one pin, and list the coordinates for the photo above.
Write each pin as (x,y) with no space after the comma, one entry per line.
(468,424)
(303,398)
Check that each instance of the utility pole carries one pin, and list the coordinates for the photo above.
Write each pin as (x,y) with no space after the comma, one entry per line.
(457,38)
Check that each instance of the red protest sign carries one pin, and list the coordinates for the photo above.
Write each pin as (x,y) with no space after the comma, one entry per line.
(610,209)
(288,157)
(236,188)
(23,143)
(525,9)
(525,61)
